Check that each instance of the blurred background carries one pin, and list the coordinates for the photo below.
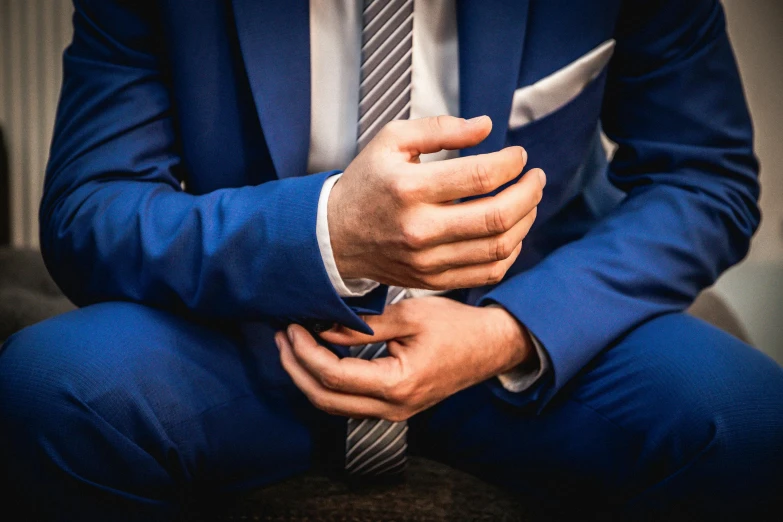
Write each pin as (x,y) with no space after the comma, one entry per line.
(33,34)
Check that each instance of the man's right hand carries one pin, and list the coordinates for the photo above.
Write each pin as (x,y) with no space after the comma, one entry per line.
(394,220)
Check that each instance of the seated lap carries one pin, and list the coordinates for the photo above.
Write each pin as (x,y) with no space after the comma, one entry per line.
(142,402)
(677,410)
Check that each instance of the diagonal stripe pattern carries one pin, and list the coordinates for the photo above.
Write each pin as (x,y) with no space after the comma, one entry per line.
(376,446)
(387,60)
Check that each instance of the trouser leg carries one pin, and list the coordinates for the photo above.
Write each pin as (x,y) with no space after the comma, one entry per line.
(678,417)
(117,411)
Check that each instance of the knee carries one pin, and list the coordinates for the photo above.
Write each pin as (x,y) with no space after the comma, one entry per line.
(45,370)
(35,372)
(67,370)
(721,405)
(74,411)
(39,397)
(740,404)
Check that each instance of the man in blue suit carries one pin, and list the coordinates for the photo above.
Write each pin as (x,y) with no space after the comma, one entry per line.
(206,207)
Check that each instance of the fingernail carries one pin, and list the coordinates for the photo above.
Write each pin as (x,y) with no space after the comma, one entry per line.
(277,340)
(475,120)
(542,178)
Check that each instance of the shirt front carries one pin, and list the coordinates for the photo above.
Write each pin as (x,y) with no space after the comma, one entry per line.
(335,63)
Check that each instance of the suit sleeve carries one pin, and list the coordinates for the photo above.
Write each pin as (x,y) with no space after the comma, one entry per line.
(115,222)
(674,104)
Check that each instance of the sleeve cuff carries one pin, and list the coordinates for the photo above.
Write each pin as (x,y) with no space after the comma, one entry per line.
(524,376)
(347,287)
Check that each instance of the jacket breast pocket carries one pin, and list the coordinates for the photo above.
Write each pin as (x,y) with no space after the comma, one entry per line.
(560,132)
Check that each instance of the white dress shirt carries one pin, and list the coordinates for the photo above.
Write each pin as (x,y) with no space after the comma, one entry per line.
(335,63)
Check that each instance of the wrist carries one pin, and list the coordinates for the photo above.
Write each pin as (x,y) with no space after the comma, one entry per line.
(341,246)
(517,344)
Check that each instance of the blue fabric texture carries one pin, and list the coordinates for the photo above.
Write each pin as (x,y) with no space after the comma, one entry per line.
(218,97)
(176,195)
(118,411)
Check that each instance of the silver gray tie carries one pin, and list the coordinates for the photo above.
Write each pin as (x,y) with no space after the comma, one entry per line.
(375,446)
(387,58)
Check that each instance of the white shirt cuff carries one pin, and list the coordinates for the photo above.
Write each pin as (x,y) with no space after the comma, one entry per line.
(347,287)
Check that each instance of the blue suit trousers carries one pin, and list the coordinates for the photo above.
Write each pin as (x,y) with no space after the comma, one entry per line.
(118,411)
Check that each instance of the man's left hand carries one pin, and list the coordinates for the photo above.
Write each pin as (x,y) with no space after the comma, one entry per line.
(436,347)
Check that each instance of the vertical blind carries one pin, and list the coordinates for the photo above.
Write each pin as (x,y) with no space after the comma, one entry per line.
(33,35)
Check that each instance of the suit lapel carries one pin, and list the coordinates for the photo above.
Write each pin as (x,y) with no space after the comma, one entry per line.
(275,41)
(491,41)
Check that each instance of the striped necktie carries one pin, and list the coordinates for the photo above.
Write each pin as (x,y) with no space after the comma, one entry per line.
(375,446)
(387,58)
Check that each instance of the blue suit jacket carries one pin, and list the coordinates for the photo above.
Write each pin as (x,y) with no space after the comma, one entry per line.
(217,94)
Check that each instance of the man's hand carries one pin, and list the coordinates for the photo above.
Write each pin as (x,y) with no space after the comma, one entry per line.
(393,219)
(436,346)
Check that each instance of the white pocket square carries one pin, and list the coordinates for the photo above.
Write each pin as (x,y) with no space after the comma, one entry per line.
(547,95)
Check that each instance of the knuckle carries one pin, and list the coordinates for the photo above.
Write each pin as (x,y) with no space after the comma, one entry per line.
(386,390)
(423,264)
(429,282)
(394,380)
(403,393)
(481,179)
(320,402)
(438,123)
(495,221)
(414,236)
(331,379)
(330,411)
(495,274)
(500,248)
(402,187)
(394,395)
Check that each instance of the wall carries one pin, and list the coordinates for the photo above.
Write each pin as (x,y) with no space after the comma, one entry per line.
(33,34)
(754,288)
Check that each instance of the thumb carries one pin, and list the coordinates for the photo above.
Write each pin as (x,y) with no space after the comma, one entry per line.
(436,133)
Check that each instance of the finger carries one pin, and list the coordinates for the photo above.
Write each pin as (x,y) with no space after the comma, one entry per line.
(433,134)
(447,180)
(351,375)
(473,276)
(474,251)
(394,323)
(492,215)
(336,403)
